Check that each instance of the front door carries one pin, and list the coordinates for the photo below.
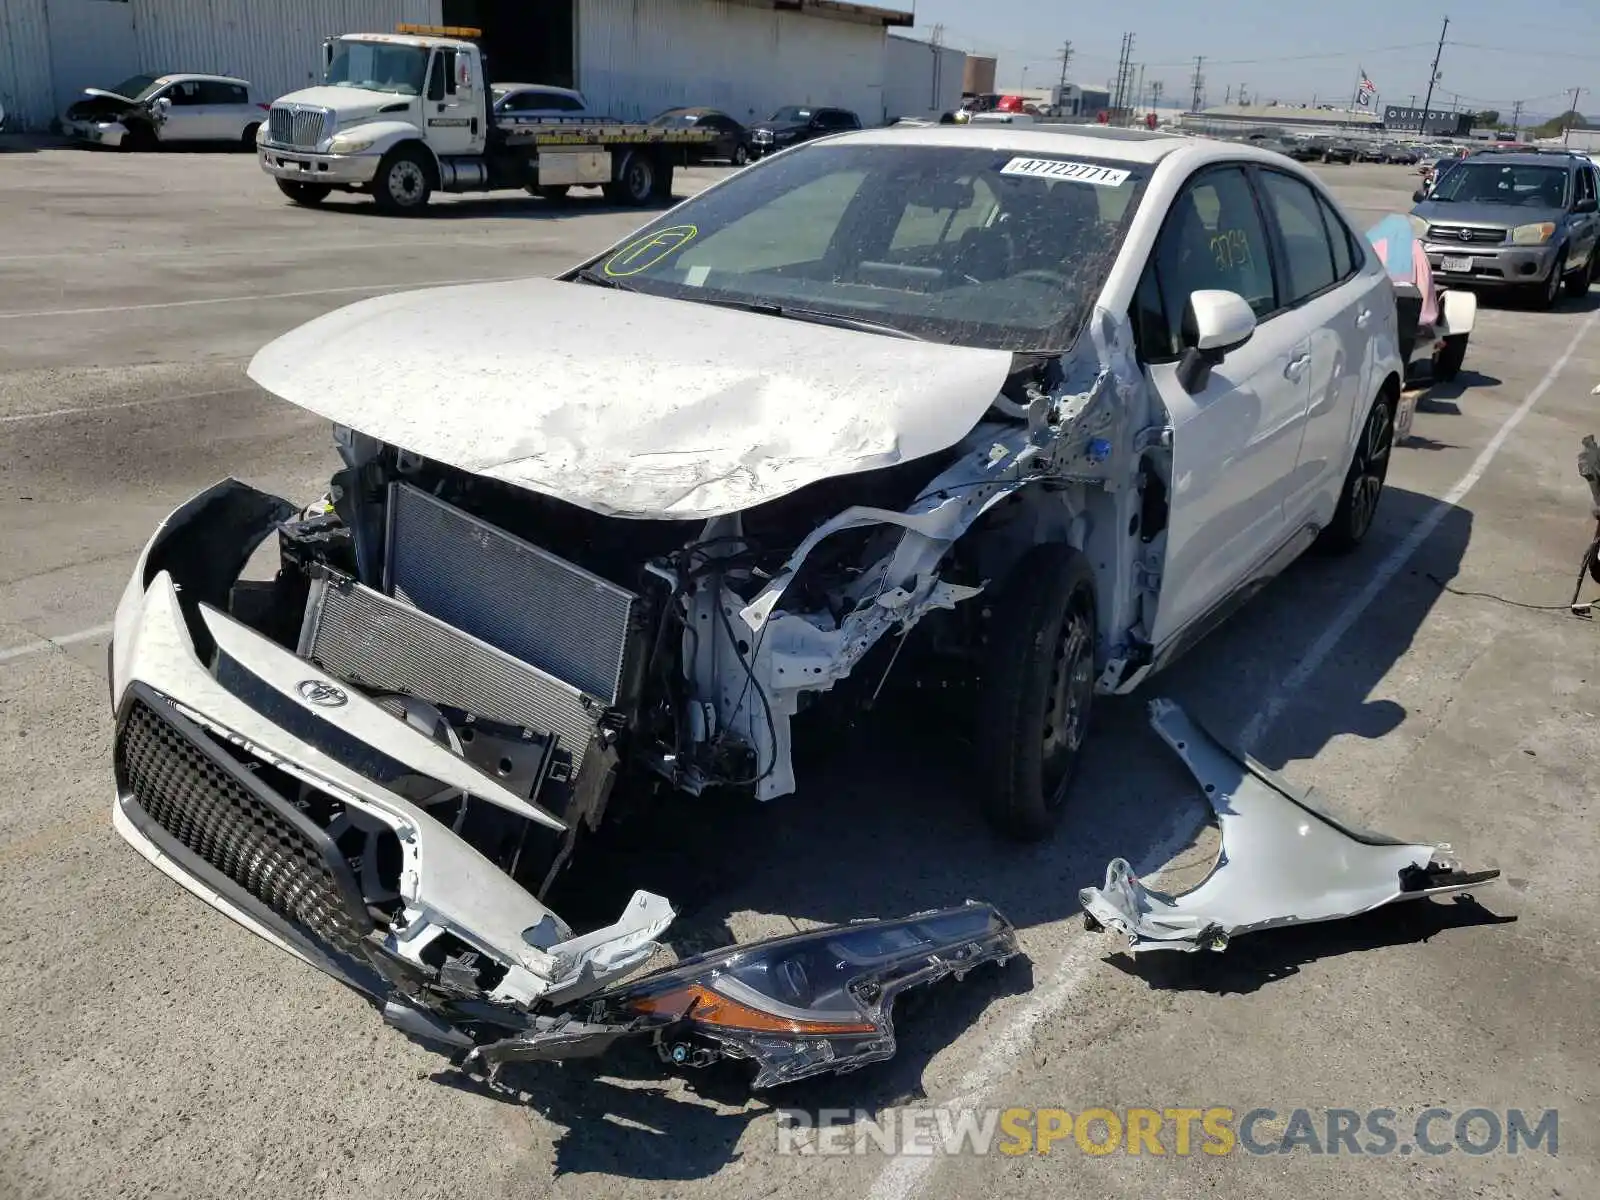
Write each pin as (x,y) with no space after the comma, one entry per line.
(1235,440)
(185,117)
(452,105)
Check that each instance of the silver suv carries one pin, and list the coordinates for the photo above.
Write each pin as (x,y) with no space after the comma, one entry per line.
(1526,221)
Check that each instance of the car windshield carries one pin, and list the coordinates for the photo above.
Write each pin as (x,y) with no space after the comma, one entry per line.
(1503,183)
(792,113)
(973,246)
(378,67)
(137,87)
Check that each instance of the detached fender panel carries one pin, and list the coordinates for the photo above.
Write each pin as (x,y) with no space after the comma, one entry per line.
(1284,860)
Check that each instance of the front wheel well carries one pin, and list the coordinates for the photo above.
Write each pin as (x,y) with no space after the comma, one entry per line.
(429,158)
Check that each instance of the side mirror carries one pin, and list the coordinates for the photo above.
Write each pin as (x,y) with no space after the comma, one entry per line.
(1587,205)
(1215,323)
(1418,196)
(327,55)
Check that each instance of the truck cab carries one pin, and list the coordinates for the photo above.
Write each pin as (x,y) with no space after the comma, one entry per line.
(402,115)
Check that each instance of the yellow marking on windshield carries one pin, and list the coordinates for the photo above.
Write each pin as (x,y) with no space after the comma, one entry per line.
(645,252)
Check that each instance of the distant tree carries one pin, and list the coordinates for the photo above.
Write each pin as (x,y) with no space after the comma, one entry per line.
(1488,118)
(1556,126)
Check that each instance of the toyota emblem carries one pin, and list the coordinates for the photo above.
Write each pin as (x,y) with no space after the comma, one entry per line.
(1464,234)
(323,695)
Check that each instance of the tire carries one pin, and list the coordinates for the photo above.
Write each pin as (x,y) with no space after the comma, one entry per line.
(1363,482)
(741,155)
(553,192)
(1036,691)
(308,195)
(247,139)
(1578,282)
(141,139)
(635,184)
(1545,294)
(1453,353)
(404,181)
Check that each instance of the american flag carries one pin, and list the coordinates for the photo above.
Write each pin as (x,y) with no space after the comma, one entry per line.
(1367,86)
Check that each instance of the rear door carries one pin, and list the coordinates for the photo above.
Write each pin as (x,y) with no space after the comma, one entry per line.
(222,110)
(1236,440)
(1332,305)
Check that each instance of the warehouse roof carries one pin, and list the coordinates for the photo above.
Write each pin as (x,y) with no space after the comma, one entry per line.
(840,10)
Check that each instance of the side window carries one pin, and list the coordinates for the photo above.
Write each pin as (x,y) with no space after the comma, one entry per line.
(566,103)
(1585,190)
(1213,239)
(1344,262)
(436,75)
(185,93)
(447,63)
(237,94)
(1308,256)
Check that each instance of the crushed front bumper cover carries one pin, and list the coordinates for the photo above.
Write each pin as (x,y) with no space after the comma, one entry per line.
(1284,860)
(233,782)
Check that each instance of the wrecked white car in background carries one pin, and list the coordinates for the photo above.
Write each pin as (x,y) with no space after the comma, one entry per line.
(1026,408)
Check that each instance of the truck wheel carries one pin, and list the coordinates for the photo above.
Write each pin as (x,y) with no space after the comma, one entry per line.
(403,182)
(635,183)
(1363,483)
(553,192)
(308,194)
(1454,352)
(1036,690)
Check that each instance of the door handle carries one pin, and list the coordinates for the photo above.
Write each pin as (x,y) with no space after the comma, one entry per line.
(1296,366)
(1363,317)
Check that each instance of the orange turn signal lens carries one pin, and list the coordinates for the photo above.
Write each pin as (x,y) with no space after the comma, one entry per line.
(697,1002)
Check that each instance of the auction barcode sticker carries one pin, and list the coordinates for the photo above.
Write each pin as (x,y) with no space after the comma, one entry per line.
(1060,168)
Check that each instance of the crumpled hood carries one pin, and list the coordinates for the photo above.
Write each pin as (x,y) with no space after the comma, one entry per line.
(627,404)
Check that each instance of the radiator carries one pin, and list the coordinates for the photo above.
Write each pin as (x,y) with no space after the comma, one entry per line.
(533,605)
(367,638)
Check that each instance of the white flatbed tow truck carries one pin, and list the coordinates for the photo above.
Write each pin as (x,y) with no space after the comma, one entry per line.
(406,114)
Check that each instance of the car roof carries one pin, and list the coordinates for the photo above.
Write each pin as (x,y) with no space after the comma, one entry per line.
(181,76)
(1524,159)
(1097,141)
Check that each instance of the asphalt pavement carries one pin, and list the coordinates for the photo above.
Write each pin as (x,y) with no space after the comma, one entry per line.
(1431,686)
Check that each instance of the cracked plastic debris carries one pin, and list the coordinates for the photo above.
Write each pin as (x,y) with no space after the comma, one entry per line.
(1284,861)
(797,1005)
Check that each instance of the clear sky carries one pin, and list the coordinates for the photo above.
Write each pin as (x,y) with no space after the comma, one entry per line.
(1496,52)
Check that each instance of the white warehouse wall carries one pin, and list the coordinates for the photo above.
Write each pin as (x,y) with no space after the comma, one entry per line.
(635,59)
(921,80)
(50,50)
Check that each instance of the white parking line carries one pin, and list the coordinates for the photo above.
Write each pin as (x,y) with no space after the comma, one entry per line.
(364,287)
(55,643)
(95,408)
(905,1174)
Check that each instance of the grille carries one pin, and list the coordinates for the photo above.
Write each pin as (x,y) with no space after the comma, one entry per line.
(518,597)
(203,799)
(365,637)
(1466,235)
(295,125)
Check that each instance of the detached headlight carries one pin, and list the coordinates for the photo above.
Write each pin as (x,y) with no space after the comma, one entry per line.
(813,1002)
(349,143)
(1533,235)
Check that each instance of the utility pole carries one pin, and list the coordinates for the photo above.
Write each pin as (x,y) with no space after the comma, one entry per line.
(1156,88)
(1199,82)
(935,41)
(1119,101)
(1516,119)
(1227,95)
(1433,75)
(1572,111)
(1066,57)
(1138,100)
(1242,99)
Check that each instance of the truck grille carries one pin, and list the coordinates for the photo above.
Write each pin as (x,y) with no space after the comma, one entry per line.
(1466,235)
(212,805)
(296,125)
(519,598)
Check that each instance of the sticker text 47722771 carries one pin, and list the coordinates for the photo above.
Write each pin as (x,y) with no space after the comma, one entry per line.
(1061,168)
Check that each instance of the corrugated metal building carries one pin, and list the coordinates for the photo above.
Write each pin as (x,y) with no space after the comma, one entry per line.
(632,58)
(921,79)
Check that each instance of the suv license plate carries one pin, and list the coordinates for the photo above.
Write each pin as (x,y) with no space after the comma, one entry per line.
(1457,264)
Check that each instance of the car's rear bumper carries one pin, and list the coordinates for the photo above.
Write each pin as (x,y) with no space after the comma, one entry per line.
(302,166)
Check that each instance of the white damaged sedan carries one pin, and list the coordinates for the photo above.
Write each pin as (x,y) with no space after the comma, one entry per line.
(1025,410)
